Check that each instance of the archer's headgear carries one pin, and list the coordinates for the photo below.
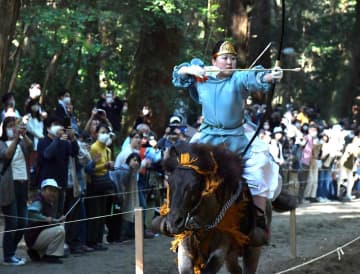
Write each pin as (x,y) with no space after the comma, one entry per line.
(225,48)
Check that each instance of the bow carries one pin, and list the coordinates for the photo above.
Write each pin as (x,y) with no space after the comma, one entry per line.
(272,88)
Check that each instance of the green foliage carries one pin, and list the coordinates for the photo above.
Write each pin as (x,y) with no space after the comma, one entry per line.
(99,39)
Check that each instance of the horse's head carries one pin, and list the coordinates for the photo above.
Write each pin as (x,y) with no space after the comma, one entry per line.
(195,196)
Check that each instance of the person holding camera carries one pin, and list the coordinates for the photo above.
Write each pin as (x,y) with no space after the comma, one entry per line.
(97,117)
(114,108)
(54,151)
(15,147)
(173,134)
(8,100)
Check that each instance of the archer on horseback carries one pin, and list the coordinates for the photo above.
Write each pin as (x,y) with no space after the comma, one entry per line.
(221,90)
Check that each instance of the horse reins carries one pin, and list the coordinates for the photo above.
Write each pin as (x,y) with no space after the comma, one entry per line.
(187,163)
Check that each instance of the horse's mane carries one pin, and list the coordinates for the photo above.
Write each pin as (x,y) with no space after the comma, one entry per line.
(229,165)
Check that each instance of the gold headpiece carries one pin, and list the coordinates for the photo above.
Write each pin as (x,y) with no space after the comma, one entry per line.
(226,48)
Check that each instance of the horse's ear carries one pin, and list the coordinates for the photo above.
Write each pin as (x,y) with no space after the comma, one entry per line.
(169,162)
(176,150)
(173,152)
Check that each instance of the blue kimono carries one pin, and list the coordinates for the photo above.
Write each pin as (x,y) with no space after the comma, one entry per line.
(223,103)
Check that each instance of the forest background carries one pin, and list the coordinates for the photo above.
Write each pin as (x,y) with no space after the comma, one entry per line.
(131,47)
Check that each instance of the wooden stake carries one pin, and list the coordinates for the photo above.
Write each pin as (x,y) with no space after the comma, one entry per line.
(139,241)
(293,233)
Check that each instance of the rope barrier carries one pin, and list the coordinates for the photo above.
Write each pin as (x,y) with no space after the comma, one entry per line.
(84,198)
(73,221)
(126,192)
(338,250)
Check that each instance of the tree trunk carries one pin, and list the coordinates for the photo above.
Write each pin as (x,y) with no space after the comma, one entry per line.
(52,68)
(249,22)
(353,86)
(17,56)
(238,26)
(9,13)
(149,83)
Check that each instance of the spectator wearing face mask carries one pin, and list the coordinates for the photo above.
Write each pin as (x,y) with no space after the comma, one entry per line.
(313,177)
(144,116)
(35,97)
(61,111)
(35,123)
(35,130)
(15,147)
(54,151)
(99,185)
(8,100)
(114,108)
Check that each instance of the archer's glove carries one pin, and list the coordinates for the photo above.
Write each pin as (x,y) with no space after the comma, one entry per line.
(194,70)
(276,74)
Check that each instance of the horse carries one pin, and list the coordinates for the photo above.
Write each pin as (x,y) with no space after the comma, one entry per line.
(209,210)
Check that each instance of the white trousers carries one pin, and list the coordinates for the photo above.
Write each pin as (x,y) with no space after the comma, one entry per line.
(50,241)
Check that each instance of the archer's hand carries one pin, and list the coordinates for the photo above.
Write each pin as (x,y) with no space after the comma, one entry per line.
(276,74)
(193,70)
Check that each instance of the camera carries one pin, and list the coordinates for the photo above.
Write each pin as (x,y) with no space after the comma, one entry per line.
(177,127)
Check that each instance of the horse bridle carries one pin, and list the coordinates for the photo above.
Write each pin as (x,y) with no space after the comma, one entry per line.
(190,218)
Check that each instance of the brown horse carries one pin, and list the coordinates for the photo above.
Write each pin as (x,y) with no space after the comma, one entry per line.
(209,210)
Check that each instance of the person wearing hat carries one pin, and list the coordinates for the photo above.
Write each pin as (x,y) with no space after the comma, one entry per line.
(221,91)
(46,237)
(174,119)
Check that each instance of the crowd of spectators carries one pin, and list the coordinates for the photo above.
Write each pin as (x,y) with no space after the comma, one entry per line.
(53,170)
(319,162)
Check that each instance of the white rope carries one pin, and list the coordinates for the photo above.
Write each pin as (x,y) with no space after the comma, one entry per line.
(127,192)
(338,250)
(73,221)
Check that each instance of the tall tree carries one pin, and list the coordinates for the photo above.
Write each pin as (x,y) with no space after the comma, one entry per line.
(353,86)
(249,24)
(156,54)
(9,13)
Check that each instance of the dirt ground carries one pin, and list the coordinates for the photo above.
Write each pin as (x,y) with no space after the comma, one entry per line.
(321,228)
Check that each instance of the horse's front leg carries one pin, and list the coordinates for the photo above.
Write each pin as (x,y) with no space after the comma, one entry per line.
(215,261)
(185,262)
(232,262)
(251,259)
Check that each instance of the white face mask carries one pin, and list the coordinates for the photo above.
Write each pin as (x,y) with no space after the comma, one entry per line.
(35,92)
(35,108)
(103,138)
(109,142)
(145,111)
(10,133)
(54,129)
(109,100)
(67,100)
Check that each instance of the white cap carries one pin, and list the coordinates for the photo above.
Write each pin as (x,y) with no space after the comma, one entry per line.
(277,130)
(49,182)
(175,119)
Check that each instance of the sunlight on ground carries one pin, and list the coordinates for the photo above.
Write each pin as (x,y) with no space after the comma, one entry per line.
(352,211)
